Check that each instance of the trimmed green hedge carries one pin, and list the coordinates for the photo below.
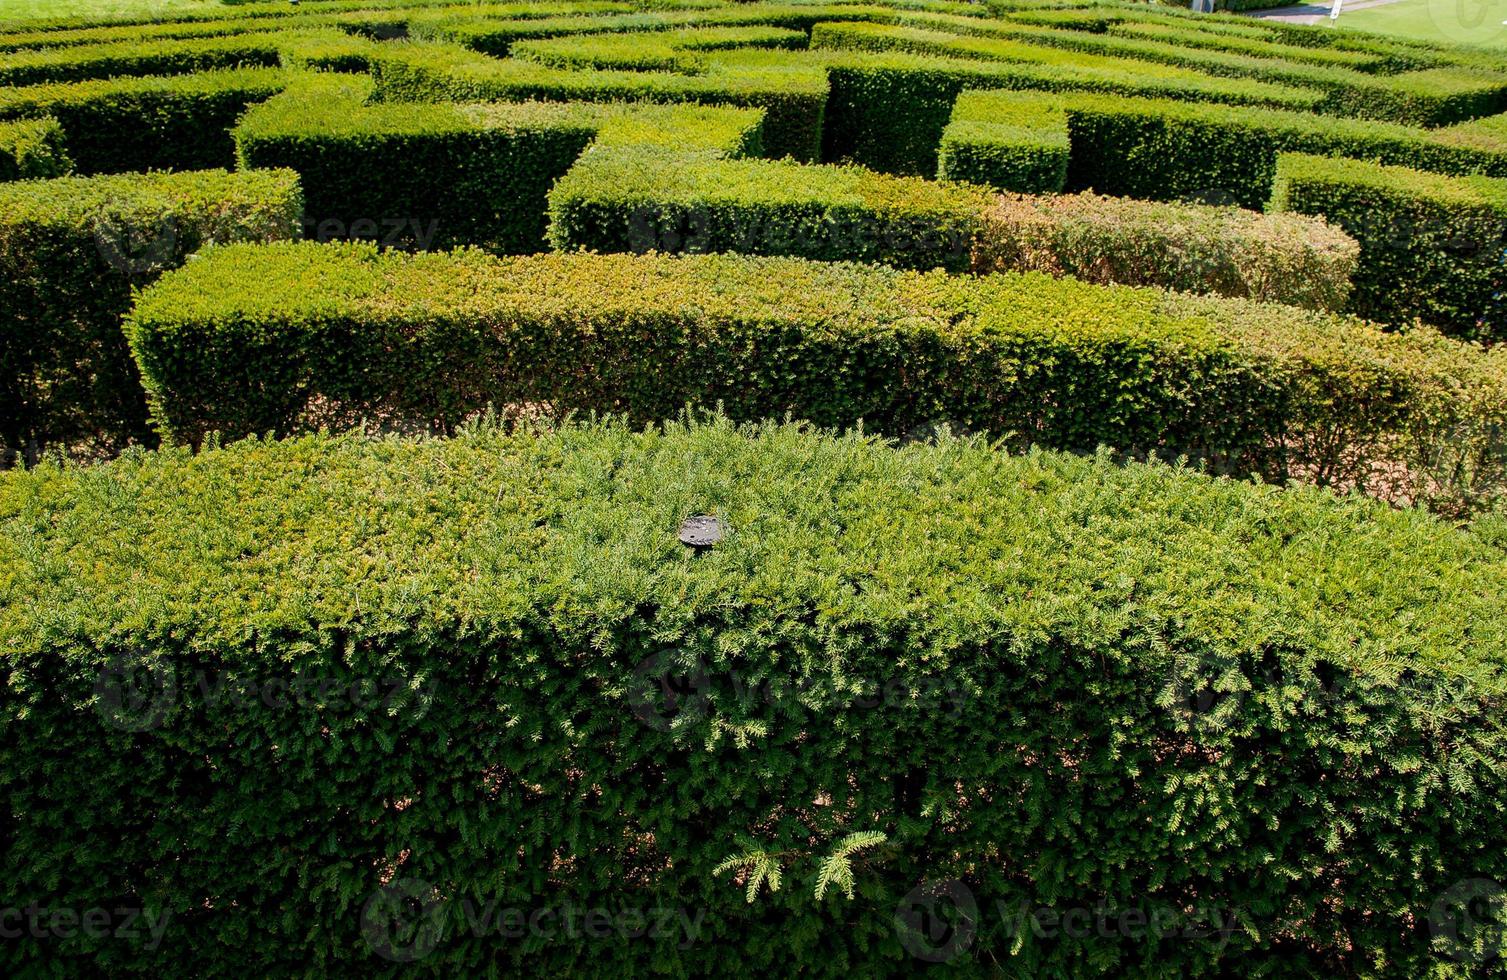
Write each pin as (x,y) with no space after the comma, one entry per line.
(1432,247)
(342,334)
(250,689)
(1028,154)
(439,175)
(683,51)
(71,251)
(167,57)
(154,123)
(1162,149)
(792,94)
(430,176)
(31,148)
(664,201)
(1279,258)
(888,110)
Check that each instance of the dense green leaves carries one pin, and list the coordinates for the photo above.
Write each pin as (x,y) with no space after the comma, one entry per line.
(1432,247)
(285,337)
(71,251)
(1006,665)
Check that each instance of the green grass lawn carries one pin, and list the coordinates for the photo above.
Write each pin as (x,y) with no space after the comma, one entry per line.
(1458,21)
(19,10)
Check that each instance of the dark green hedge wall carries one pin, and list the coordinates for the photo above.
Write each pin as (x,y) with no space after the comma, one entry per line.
(264,694)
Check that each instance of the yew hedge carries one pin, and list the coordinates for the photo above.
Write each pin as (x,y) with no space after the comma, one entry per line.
(399,705)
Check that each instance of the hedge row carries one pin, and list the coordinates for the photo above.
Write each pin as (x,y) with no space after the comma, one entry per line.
(279,338)
(1434,97)
(496,36)
(1433,247)
(1165,149)
(430,676)
(168,57)
(675,51)
(438,175)
(153,123)
(71,251)
(1012,145)
(793,96)
(656,200)
(888,111)
(1279,258)
(32,148)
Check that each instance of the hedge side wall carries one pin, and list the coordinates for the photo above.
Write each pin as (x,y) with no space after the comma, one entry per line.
(71,251)
(154,123)
(394,706)
(1432,247)
(430,340)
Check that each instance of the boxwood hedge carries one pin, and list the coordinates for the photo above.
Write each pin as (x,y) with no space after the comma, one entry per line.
(284,337)
(1433,246)
(71,251)
(1281,258)
(157,122)
(435,175)
(166,57)
(401,705)
(1164,149)
(792,95)
(32,148)
(652,199)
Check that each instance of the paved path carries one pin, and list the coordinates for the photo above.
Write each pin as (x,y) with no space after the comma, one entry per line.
(1312,13)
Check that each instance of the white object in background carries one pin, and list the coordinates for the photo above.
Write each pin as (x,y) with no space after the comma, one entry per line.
(1334,12)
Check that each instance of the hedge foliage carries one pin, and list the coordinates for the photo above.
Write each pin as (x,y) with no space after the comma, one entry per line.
(439,175)
(167,57)
(1164,149)
(793,96)
(435,667)
(158,122)
(1433,247)
(656,200)
(71,251)
(888,110)
(31,148)
(1280,258)
(344,334)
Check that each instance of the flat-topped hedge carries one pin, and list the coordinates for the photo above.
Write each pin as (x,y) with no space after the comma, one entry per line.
(165,57)
(1166,149)
(438,667)
(153,123)
(436,175)
(1432,247)
(71,252)
(653,199)
(793,95)
(1280,258)
(281,338)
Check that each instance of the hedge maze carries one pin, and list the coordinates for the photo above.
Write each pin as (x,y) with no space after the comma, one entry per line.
(383,345)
